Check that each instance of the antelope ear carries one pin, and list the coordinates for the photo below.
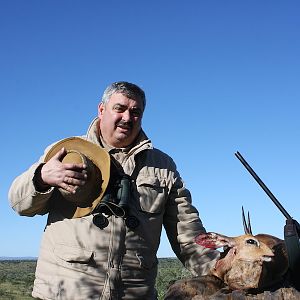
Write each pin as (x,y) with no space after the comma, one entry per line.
(213,240)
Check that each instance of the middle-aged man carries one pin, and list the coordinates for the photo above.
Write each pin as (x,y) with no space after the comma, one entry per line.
(80,259)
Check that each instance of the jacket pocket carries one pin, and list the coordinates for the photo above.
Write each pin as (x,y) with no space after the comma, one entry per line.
(73,257)
(152,193)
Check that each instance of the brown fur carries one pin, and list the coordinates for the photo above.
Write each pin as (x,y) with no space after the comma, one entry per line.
(249,262)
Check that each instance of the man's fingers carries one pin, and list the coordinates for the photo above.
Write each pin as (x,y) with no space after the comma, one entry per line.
(73,181)
(66,176)
(60,154)
(68,166)
(79,167)
(77,175)
(69,188)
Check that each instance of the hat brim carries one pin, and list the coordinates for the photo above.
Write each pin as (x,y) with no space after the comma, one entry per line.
(101,160)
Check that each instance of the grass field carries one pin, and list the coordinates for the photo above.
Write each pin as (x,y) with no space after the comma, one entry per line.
(16,277)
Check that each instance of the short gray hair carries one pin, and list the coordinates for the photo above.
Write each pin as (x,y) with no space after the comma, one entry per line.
(130,90)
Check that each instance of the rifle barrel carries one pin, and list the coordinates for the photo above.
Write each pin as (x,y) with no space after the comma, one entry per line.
(263,186)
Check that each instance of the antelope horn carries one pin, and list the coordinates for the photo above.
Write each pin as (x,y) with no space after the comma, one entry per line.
(247,225)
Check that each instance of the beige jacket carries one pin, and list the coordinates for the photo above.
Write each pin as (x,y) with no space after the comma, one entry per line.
(79,261)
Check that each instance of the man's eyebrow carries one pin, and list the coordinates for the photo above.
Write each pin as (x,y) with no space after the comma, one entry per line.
(119,104)
(125,106)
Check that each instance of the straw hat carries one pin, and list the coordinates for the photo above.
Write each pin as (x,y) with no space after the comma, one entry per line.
(86,197)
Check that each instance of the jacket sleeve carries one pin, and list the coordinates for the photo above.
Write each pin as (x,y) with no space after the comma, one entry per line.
(182,224)
(23,196)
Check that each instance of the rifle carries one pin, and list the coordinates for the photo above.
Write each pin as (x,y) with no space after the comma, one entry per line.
(291,228)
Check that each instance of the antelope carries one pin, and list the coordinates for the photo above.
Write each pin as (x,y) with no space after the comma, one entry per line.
(248,263)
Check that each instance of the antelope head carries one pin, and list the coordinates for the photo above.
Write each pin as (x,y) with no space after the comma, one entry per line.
(244,262)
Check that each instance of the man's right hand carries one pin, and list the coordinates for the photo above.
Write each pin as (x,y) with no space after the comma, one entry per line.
(68,176)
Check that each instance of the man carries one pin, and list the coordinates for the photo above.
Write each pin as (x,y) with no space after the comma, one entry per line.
(80,259)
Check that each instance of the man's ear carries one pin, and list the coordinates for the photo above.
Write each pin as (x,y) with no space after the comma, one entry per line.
(101,107)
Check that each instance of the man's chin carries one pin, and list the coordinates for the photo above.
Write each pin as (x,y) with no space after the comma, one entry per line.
(124,131)
(123,140)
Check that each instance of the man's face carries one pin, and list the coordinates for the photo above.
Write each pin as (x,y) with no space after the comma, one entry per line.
(120,120)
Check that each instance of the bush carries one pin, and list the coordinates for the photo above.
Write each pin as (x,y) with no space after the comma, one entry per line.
(169,270)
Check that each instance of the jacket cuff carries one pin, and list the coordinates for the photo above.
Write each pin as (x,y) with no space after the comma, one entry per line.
(38,183)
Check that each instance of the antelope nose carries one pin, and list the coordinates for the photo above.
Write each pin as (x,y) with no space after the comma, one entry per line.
(266,258)
(268,255)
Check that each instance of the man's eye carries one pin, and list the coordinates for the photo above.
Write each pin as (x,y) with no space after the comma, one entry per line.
(136,112)
(118,108)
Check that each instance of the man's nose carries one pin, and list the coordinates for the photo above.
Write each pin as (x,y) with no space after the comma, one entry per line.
(126,115)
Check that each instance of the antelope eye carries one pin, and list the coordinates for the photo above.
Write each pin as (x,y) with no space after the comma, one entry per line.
(252,242)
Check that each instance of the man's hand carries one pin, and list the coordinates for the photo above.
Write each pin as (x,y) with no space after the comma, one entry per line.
(67,176)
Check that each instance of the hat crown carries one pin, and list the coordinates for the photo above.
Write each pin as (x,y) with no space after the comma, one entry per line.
(74,156)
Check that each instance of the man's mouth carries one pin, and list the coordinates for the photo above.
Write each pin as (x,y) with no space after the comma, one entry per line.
(124,126)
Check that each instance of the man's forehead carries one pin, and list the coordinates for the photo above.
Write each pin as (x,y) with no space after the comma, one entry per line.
(124,100)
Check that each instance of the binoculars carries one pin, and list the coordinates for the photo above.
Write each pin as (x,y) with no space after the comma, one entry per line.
(116,202)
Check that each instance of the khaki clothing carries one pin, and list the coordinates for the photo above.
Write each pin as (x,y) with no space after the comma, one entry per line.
(80,261)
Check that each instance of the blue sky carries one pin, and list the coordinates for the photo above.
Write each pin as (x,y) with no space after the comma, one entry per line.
(220,77)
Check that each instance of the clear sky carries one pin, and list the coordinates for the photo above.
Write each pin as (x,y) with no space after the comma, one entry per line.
(220,77)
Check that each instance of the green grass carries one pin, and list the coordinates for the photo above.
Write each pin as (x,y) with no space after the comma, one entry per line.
(169,269)
(16,277)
